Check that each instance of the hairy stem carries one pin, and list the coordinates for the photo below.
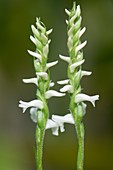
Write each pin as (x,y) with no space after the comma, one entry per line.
(80,136)
(39,147)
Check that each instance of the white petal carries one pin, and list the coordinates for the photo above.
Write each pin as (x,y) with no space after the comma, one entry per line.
(84,108)
(69,119)
(31,80)
(60,120)
(67,12)
(52,125)
(44,75)
(78,11)
(51,93)
(83,97)
(72,19)
(70,32)
(67,22)
(63,82)
(63,119)
(33,39)
(48,65)
(33,113)
(75,65)
(70,43)
(66,88)
(67,59)
(86,73)
(34,54)
(49,31)
(51,84)
(46,50)
(33,103)
(35,31)
(79,47)
(44,38)
(39,26)
(82,32)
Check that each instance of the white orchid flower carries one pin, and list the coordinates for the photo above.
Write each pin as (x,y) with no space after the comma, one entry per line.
(82,32)
(60,120)
(75,65)
(83,97)
(79,47)
(48,65)
(86,73)
(51,93)
(67,88)
(32,39)
(31,80)
(63,82)
(34,54)
(33,103)
(67,11)
(65,58)
(49,31)
(44,75)
(52,125)
(46,50)
(51,84)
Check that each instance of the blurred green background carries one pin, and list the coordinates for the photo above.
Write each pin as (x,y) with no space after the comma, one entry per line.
(17,131)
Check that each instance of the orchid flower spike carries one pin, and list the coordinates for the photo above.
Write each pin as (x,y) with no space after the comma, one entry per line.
(42,80)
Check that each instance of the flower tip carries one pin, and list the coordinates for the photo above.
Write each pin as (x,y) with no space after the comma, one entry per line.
(49,31)
(67,12)
(67,59)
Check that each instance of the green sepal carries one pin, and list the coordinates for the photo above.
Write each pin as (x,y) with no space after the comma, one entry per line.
(41,119)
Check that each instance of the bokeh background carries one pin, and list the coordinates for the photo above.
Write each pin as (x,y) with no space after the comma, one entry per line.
(17,131)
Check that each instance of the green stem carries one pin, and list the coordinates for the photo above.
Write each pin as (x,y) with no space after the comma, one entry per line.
(80,136)
(39,147)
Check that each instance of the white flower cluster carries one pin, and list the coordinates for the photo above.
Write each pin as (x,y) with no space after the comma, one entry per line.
(55,123)
(42,79)
(75,61)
